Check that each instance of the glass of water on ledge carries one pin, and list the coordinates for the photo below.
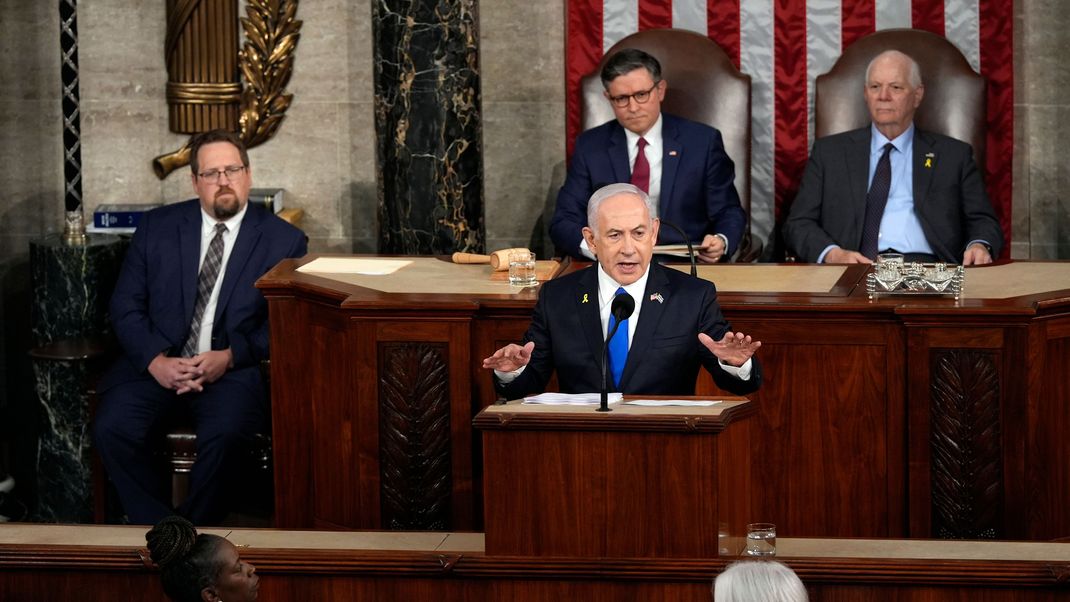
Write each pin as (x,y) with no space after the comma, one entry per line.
(761,540)
(522,268)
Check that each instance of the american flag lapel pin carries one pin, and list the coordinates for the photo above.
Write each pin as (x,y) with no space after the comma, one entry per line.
(657,297)
(673,153)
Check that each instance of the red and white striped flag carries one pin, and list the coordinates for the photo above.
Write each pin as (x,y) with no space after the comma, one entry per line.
(784,45)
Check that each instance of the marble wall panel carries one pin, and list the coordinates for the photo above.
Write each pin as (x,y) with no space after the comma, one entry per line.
(522,47)
(1041,111)
(31,167)
(29,50)
(320,64)
(358,208)
(121,50)
(525,165)
(1046,73)
(119,139)
(522,61)
(303,159)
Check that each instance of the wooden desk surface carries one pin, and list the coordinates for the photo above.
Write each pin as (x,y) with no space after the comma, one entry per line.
(43,536)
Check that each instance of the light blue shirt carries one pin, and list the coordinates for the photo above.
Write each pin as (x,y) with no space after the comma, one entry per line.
(900,228)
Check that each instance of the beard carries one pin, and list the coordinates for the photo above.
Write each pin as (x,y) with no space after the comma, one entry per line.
(226,204)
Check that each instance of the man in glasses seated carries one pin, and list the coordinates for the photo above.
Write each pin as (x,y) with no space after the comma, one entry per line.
(680,164)
(193,330)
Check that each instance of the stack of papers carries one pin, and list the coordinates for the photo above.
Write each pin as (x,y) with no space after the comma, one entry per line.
(695,403)
(572,399)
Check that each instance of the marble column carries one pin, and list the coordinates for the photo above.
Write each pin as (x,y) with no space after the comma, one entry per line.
(71,289)
(428,126)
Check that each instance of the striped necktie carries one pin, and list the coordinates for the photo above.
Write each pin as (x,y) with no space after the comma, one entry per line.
(205,283)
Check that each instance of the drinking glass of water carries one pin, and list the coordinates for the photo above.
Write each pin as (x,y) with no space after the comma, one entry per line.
(761,539)
(522,268)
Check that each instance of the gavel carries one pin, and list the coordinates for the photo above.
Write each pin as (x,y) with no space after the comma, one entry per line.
(498,260)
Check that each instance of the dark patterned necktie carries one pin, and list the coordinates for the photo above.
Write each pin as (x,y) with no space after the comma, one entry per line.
(641,169)
(205,283)
(618,345)
(876,199)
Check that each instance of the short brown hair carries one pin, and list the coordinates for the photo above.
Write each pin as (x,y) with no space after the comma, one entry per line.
(199,140)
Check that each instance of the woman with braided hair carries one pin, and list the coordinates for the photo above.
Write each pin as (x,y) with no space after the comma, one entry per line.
(199,567)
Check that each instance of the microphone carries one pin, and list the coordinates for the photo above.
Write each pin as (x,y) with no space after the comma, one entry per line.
(690,249)
(622,308)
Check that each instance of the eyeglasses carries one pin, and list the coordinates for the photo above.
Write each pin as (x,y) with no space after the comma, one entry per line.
(212,177)
(640,97)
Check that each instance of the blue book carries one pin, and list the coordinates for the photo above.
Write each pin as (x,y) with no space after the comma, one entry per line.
(121,215)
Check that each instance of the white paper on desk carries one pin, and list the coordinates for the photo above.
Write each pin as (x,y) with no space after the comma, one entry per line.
(676,250)
(572,399)
(654,403)
(354,265)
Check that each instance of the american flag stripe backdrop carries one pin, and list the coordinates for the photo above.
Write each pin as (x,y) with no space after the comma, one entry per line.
(784,45)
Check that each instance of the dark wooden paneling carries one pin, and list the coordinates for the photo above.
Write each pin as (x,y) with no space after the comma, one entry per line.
(842,443)
(414,436)
(827,441)
(88,574)
(965,439)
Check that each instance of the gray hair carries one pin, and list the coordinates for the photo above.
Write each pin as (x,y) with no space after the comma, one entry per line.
(914,76)
(628,60)
(764,580)
(613,190)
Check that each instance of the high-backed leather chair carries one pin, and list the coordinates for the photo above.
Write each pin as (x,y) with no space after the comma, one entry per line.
(704,86)
(954,103)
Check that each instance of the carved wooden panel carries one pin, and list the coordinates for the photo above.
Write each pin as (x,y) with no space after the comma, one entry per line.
(967,479)
(414,436)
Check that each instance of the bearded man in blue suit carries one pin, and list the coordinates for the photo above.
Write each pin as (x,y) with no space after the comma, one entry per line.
(680,164)
(193,330)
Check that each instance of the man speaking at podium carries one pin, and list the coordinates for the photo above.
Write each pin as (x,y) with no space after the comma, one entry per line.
(676,325)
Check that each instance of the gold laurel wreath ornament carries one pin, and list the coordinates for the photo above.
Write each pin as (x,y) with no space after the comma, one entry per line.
(266,63)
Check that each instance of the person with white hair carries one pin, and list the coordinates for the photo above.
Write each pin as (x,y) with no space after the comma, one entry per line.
(758,581)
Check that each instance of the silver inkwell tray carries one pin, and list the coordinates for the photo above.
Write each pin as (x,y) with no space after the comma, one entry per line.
(893,277)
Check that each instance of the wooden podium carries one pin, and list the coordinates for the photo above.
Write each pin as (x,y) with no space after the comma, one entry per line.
(638,482)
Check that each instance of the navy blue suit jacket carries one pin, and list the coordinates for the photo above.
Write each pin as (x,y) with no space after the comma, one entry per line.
(665,354)
(949,196)
(698,193)
(152,306)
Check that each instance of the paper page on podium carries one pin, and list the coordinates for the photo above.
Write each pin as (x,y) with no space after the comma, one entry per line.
(657,403)
(572,399)
(354,265)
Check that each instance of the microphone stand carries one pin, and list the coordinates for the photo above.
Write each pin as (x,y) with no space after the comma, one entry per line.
(687,241)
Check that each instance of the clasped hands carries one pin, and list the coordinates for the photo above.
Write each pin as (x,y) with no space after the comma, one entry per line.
(734,348)
(190,374)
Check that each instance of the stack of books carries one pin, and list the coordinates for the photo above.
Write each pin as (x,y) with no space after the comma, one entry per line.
(122,218)
(119,218)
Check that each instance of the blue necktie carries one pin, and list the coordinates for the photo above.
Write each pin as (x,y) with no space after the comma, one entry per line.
(618,346)
(876,199)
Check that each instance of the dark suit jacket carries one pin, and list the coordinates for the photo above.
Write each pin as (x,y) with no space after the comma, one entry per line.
(152,306)
(949,197)
(665,354)
(697,189)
